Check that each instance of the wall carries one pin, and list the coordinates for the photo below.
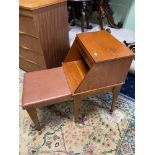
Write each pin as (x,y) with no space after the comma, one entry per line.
(130,19)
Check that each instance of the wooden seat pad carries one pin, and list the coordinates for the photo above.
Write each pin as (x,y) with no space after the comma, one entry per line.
(45,87)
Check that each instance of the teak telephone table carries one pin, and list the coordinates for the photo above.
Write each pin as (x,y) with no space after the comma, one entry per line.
(96,62)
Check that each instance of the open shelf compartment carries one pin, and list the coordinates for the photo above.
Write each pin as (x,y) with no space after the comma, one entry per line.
(75,67)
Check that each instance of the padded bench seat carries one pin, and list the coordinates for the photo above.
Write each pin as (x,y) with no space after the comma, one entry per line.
(45,87)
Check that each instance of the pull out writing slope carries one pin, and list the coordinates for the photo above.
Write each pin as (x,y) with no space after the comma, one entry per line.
(96,62)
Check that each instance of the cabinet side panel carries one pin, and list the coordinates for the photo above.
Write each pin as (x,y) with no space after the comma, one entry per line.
(105,74)
(52,26)
(73,54)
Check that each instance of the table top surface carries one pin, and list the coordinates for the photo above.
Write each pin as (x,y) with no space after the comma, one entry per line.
(102,46)
(35,4)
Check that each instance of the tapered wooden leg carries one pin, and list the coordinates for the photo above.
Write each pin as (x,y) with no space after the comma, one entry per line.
(83,15)
(33,115)
(116,91)
(76,107)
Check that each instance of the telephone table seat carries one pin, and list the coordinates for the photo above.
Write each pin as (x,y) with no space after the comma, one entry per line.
(45,87)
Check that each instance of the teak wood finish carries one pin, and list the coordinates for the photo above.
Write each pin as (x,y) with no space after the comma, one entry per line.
(96,62)
(43,34)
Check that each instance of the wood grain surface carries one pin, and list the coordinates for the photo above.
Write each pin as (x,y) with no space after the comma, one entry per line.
(102,46)
(104,74)
(43,31)
(75,72)
(36,4)
(53,32)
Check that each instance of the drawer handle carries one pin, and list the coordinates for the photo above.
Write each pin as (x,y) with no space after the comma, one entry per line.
(24,33)
(26,48)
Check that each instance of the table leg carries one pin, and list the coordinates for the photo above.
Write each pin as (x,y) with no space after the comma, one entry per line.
(83,15)
(109,14)
(116,92)
(101,16)
(73,22)
(33,115)
(88,15)
(76,107)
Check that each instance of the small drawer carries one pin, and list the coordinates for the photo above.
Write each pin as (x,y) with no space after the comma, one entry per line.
(26,25)
(28,65)
(85,56)
(30,43)
(32,56)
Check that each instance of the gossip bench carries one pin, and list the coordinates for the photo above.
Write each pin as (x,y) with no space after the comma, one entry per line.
(96,62)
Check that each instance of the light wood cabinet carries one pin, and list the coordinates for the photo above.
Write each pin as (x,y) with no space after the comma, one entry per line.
(43,34)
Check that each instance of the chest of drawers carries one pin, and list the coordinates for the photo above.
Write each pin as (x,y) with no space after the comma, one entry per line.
(43,34)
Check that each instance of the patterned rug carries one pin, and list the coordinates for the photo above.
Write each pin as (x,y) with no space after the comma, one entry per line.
(98,132)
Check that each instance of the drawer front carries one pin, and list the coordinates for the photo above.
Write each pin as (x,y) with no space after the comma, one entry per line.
(28,65)
(26,25)
(25,12)
(85,56)
(30,43)
(32,56)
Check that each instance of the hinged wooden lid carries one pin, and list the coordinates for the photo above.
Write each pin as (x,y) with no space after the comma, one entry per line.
(35,4)
(102,46)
